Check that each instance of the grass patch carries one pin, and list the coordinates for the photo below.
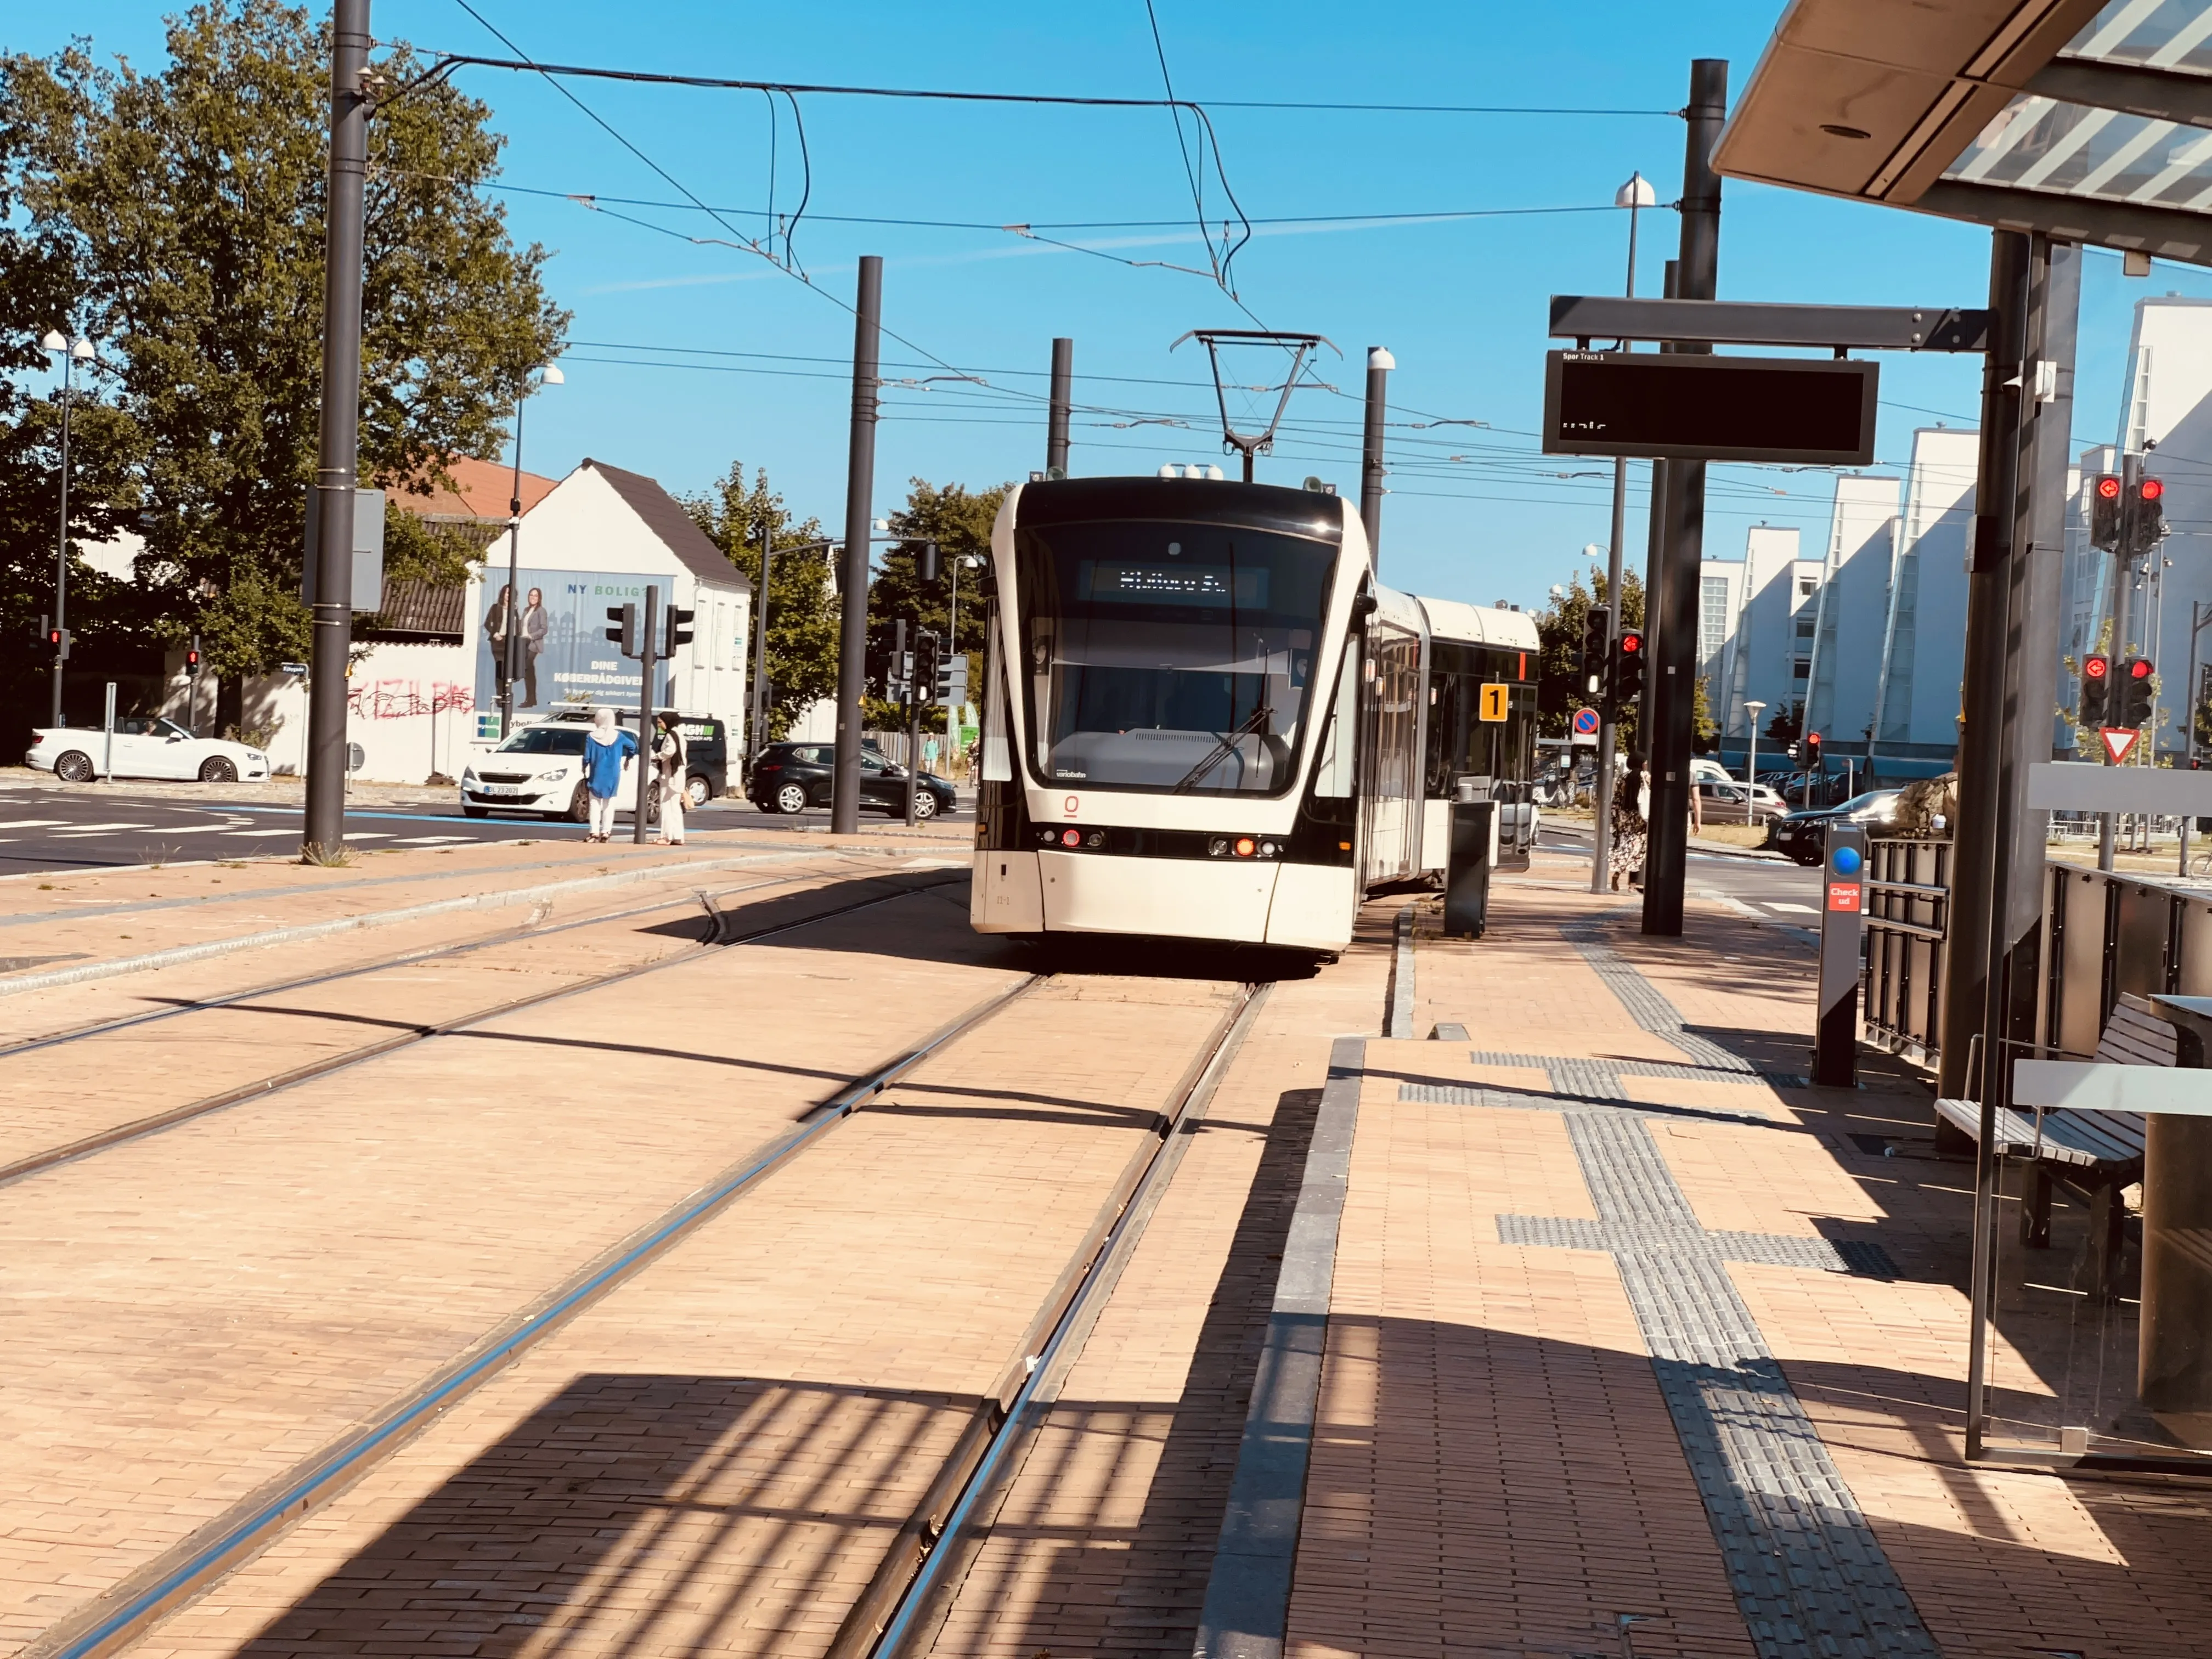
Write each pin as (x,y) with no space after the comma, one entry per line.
(329,857)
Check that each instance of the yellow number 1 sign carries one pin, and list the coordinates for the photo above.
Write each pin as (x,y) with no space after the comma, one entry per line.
(1495,695)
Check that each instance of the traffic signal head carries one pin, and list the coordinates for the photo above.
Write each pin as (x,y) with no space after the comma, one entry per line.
(2096,690)
(624,631)
(60,639)
(2137,677)
(2105,510)
(1812,751)
(2145,527)
(1597,644)
(925,665)
(678,632)
(1628,665)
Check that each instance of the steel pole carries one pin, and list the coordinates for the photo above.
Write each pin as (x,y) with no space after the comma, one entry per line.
(1671,614)
(1608,716)
(1063,395)
(1380,363)
(647,640)
(859,495)
(335,475)
(60,555)
(759,723)
(1979,853)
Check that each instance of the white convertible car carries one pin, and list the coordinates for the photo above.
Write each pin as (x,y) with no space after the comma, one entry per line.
(145,747)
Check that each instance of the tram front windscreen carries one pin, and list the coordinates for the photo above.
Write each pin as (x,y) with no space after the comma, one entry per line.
(1170,657)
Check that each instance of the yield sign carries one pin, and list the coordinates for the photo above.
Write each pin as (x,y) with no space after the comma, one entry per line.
(2119,743)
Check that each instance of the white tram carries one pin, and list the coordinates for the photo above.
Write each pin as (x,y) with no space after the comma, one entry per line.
(1203,719)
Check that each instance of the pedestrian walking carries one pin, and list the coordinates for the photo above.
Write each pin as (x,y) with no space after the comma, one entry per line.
(669,780)
(929,753)
(1631,805)
(604,750)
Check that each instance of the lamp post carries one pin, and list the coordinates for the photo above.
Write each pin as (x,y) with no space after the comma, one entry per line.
(1752,707)
(72,352)
(511,607)
(1636,194)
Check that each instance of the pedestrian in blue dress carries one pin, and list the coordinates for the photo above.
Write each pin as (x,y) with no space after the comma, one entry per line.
(604,751)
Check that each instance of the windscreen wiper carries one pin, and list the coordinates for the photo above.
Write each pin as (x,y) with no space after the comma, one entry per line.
(1253,724)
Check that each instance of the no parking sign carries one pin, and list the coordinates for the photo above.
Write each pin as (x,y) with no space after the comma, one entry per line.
(1585,726)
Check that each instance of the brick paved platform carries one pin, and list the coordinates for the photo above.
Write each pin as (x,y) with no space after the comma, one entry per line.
(1634,1350)
(1635,1344)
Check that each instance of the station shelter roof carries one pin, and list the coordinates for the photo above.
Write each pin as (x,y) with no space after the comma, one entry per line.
(2088,121)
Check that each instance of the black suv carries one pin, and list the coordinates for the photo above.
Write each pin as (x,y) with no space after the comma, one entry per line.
(790,777)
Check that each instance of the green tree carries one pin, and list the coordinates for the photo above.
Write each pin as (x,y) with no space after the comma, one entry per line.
(186,208)
(802,600)
(1560,689)
(959,520)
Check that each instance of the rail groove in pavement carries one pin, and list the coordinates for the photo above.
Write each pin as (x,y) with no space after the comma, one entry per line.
(116,1619)
(715,939)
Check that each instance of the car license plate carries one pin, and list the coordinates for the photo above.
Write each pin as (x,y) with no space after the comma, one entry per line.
(504,788)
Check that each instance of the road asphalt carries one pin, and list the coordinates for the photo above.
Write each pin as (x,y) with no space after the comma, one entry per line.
(49,826)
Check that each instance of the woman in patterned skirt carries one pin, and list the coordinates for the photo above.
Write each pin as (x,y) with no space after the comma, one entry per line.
(1630,827)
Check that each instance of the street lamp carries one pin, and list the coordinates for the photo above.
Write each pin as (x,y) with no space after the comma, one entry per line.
(1751,762)
(72,352)
(509,610)
(1636,194)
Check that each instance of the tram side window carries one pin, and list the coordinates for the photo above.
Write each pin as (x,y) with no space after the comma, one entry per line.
(997,753)
(1336,775)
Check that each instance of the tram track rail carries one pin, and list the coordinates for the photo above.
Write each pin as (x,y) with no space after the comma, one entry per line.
(908,1588)
(716,937)
(908,1596)
(115,1619)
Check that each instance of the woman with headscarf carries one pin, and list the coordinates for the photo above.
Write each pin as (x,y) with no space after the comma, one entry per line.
(604,750)
(1631,827)
(669,780)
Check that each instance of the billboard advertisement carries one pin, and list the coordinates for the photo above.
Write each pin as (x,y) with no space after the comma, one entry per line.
(565,658)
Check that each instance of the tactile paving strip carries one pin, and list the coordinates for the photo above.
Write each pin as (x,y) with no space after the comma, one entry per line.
(1810,1578)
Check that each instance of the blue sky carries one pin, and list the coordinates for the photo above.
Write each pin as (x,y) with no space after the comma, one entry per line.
(1459,301)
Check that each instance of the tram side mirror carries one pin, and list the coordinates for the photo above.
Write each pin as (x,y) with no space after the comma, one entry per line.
(1363,605)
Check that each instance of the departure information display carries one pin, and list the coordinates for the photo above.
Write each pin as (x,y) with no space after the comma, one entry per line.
(1693,406)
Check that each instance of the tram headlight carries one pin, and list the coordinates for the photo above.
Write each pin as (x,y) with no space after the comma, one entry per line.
(1070,838)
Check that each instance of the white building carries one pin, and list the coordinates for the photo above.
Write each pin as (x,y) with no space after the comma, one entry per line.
(1917,695)
(424,696)
(1853,614)
(1766,656)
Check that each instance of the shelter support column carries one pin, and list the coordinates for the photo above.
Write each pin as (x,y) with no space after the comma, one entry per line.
(1982,831)
(1672,607)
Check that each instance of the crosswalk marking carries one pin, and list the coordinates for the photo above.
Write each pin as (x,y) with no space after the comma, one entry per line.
(101,828)
(429,841)
(262,832)
(34,824)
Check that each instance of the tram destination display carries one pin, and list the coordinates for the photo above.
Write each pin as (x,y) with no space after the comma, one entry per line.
(1688,406)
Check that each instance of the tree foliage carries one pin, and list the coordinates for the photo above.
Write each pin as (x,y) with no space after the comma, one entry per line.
(1560,687)
(802,600)
(178,217)
(959,520)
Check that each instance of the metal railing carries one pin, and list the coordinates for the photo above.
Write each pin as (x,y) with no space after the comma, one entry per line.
(1908,914)
(2104,932)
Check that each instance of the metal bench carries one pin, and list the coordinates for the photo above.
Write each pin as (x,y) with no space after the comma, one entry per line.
(2094,1154)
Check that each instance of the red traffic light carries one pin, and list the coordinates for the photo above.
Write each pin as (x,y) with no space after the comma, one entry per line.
(2095,668)
(1631,642)
(2140,669)
(2108,486)
(1811,737)
(2152,490)
(53,637)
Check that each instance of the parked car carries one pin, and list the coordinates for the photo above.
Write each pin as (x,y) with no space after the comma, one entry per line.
(1725,803)
(539,770)
(1803,835)
(144,746)
(790,777)
(706,749)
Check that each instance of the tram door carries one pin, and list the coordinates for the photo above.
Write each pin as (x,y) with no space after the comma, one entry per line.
(1391,795)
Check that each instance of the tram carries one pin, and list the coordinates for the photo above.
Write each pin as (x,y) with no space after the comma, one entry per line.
(1203,717)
